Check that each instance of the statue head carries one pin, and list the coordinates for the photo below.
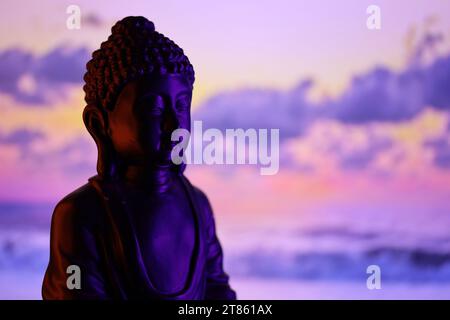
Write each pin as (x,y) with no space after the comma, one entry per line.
(138,89)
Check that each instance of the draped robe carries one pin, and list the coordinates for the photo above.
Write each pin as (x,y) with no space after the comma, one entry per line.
(91,229)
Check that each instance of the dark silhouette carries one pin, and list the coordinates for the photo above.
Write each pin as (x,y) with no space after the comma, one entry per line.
(138,229)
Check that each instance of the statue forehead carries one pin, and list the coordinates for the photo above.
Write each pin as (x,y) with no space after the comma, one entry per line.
(169,84)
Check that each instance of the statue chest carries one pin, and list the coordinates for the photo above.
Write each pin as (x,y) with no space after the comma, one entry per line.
(166,229)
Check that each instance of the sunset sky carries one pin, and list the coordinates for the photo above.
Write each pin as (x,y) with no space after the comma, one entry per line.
(318,56)
(363,114)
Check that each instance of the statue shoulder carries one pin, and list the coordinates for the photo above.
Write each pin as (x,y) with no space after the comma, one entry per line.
(79,208)
(200,197)
(203,202)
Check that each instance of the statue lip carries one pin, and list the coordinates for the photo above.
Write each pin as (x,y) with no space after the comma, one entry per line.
(164,161)
(165,150)
(165,165)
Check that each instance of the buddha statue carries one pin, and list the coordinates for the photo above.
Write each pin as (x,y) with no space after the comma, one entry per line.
(138,229)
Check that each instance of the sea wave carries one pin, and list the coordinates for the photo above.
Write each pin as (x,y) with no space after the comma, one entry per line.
(396,265)
(27,250)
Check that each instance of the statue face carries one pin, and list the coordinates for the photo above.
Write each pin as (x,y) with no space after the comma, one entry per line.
(146,113)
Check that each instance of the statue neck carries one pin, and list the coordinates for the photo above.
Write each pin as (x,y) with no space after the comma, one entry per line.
(150,179)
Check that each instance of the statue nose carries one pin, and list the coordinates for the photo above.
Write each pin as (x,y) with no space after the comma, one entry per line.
(170,122)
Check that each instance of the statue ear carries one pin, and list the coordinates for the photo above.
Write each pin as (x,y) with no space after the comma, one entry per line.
(96,123)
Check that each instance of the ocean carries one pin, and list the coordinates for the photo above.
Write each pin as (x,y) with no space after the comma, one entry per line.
(323,254)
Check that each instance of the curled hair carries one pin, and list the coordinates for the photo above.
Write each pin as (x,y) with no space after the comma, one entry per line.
(132,50)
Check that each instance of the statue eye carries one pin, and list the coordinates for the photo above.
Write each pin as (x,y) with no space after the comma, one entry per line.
(183,104)
(156,109)
(152,105)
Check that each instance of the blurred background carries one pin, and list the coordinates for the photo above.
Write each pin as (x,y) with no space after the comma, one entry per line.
(364,138)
